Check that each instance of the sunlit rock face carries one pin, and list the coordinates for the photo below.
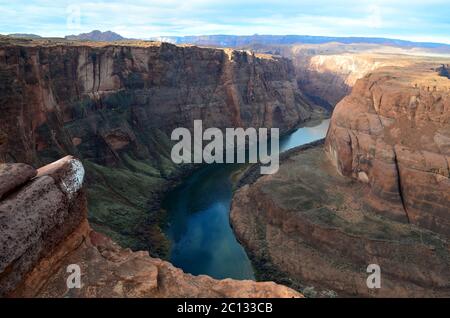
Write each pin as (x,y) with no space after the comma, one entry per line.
(328,78)
(393,132)
(311,228)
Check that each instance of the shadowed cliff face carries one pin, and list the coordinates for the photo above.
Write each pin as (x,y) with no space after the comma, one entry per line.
(326,72)
(114,106)
(44,230)
(69,98)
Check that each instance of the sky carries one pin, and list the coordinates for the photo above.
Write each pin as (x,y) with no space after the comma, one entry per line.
(416,20)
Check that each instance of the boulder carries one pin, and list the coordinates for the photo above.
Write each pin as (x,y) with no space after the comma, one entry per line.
(13,175)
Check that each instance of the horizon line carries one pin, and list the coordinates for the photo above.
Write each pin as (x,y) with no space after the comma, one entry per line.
(380,37)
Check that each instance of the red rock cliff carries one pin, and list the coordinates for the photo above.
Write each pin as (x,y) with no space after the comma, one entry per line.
(393,133)
(71,98)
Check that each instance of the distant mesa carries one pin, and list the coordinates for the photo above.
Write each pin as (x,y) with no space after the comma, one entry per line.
(24,35)
(96,35)
(246,40)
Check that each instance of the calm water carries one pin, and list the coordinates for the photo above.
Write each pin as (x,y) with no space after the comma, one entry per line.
(198,212)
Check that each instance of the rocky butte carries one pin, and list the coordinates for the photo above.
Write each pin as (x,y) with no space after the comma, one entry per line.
(377,191)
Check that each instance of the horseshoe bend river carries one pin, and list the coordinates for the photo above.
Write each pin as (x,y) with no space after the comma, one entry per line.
(202,240)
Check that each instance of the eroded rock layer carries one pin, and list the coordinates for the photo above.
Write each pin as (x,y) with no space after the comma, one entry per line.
(36,215)
(393,133)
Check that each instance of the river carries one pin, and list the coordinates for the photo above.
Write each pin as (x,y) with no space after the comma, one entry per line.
(202,240)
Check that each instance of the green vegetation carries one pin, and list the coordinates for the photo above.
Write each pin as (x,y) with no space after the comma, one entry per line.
(143,166)
(119,205)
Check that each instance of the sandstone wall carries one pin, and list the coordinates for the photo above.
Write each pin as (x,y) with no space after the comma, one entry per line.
(62,99)
(328,78)
(393,133)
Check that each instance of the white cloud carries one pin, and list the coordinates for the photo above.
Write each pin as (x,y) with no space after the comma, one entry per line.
(140,18)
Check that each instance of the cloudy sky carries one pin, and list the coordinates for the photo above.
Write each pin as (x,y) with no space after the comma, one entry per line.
(420,20)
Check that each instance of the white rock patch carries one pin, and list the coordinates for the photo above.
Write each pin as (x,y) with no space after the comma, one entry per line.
(73,181)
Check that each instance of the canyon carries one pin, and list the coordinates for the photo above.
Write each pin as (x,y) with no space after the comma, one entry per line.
(114,107)
(376,191)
